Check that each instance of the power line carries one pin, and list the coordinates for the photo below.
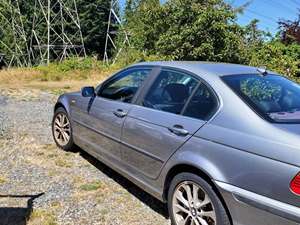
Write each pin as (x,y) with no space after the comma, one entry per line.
(17,51)
(262,15)
(56,31)
(279,4)
(295,2)
(114,19)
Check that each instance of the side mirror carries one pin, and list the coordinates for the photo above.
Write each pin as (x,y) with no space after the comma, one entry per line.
(88,91)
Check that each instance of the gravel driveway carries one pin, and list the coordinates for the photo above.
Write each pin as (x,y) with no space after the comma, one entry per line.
(40,184)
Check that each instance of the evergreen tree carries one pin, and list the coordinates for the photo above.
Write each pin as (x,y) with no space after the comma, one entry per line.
(93,16)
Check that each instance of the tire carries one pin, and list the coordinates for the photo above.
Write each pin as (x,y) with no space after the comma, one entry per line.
(178,187)
(67,144)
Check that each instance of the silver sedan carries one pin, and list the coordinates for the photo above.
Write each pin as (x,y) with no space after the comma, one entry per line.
(219,143)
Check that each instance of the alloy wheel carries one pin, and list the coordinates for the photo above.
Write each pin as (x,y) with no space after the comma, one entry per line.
(62,129)
(192,205)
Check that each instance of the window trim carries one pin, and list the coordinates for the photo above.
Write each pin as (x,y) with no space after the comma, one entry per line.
(200,80)
(255,109)
(113,77)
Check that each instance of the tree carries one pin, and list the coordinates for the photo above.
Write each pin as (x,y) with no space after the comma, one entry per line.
(284,59)
(290,31)
(93,16)
(187,30)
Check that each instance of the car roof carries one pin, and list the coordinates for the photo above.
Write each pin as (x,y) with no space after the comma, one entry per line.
(209,68)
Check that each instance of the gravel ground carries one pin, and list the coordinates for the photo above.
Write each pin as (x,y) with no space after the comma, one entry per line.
(40,184)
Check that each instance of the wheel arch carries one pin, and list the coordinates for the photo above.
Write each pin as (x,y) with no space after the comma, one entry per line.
(62,102)
(187,168)
(59,105)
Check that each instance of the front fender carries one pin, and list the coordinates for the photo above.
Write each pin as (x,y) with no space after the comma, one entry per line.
(63,101)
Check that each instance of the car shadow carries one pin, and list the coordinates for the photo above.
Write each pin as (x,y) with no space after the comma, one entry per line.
(17,215)
(143,196)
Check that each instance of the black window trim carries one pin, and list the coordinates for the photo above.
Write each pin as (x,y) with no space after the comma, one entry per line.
(200,80)
(113,77)
(255,109)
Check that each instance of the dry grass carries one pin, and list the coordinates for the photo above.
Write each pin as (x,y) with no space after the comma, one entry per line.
(44,217)
(2,180)
(55,78)
(63,163)
(18,76)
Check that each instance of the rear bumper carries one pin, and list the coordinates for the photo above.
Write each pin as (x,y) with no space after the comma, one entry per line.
(248,208)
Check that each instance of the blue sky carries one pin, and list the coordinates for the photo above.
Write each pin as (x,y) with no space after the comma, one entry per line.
(267,11)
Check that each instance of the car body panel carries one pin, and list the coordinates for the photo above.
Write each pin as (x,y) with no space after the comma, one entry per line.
(249,171)
(149,143)
(107,126)
(235,147)
(250,208)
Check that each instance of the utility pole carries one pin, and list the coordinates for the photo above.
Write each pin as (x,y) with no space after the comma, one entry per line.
(113,19)
(56,31)
(16,48)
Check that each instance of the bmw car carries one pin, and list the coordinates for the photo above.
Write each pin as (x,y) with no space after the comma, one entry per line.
(218,143)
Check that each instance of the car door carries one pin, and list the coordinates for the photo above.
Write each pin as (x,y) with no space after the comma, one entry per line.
(109,109)
(163,121)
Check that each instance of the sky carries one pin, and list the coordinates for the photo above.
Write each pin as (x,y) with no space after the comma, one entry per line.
(267,11)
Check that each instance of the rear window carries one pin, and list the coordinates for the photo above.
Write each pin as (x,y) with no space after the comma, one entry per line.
(274,97)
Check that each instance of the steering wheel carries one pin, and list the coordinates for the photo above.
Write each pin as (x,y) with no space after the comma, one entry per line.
(148,104)
(124,93)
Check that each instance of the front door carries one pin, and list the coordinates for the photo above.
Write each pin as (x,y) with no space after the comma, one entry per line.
(174,108)
(109,110)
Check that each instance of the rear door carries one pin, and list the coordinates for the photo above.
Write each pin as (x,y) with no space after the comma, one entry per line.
(163,121)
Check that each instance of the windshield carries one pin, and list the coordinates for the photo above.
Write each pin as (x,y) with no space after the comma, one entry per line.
(274,97)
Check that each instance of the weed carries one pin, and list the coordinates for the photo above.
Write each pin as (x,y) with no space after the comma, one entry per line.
(63,163)
(42,217)
(93,186)
(2,180)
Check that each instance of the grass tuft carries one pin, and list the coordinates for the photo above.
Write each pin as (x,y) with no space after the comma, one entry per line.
(42,217)
(2,180)
(92,186)
(63,163)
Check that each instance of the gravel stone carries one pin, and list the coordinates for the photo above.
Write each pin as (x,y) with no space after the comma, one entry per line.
(51,181)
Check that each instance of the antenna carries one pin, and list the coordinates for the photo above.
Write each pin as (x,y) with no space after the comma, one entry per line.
(56,31)
(16,47)
(262,70)
(113,19)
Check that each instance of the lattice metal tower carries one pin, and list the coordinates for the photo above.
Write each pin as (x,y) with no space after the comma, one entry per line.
(56,31)
(114,19)
(13,38)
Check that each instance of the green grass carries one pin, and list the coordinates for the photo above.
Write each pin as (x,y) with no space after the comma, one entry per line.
(92,186)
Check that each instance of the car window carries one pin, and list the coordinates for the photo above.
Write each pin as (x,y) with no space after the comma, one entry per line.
(202,105)
(170,91)
(124,86)
(275,97)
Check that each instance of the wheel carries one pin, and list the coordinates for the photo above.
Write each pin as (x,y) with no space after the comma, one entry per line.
(62,130)
(192,201)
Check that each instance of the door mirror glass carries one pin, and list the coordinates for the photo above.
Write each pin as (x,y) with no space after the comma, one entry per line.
(88,91)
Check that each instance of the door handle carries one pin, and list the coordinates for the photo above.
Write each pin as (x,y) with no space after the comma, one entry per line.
(178,130)
(120,113)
